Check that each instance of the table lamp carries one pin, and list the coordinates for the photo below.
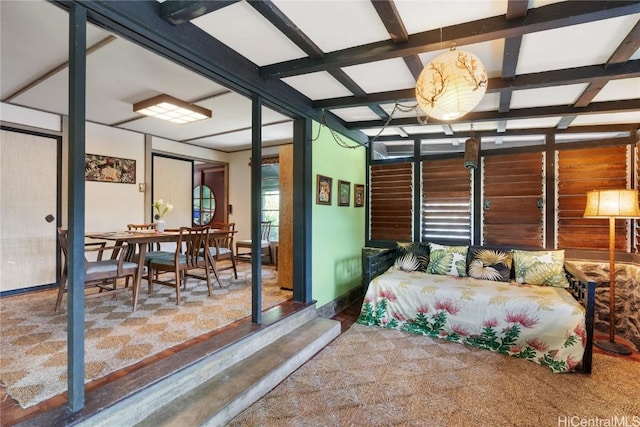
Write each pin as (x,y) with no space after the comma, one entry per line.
(612,204)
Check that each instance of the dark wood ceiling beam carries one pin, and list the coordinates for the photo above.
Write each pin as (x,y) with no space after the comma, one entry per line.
(590,92)
(391,19)
(548,17)
(524,113)
(505,100)
(286,26)
(623,52)
(415,65)
(627,48)
(347,82)
(180,11)
(353,87)
(517,9)
(586,74)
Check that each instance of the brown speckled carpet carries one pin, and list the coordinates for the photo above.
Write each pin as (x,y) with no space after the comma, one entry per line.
(33,338)
(381,377)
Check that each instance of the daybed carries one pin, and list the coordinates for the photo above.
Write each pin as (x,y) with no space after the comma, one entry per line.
(426,289)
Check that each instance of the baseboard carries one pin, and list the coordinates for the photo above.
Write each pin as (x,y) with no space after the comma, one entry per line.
(334,307)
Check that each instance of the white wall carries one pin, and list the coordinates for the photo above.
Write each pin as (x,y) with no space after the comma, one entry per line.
(111,206)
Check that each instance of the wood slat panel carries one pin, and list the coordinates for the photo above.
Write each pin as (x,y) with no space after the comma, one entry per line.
(391,202)
(513,184)
(578,172)
(446,201)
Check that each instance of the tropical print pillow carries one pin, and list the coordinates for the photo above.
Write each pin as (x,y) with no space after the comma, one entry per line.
(489,264)
(447,260)
(540,268)
(411,256)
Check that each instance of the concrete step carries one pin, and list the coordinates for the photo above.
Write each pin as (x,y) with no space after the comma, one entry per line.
(218,400)
(183,373)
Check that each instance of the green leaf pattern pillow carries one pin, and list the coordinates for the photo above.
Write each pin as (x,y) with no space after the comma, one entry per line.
(447,260)
(540,268)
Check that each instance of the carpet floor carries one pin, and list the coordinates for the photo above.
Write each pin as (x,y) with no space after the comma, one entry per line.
(33,340)
(381,377)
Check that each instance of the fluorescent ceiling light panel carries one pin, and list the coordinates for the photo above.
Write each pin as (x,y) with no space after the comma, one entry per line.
(166,107)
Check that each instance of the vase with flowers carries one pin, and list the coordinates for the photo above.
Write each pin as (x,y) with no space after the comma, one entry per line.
(161,208)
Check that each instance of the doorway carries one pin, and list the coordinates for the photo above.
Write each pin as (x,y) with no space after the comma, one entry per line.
(210,193)
(30,209)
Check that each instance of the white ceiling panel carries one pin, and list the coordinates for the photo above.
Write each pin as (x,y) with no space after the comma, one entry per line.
(546,122)
(562,95)
(381,76)
(573,46)
(247,32)
(319,85)
(619,89)
(355,114)
(419,16)
(632,117)
(335,24)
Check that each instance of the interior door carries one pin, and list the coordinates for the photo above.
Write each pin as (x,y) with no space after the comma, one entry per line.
(28,209)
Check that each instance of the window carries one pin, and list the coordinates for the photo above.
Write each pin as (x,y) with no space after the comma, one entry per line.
(271,197)
(578,172)
(446,202)
(204,205)
(513,209)
(391,202)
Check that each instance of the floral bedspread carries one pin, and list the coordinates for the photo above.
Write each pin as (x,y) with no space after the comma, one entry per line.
(542,324)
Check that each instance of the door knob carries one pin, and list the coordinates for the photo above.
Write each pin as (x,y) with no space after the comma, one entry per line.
(49,218)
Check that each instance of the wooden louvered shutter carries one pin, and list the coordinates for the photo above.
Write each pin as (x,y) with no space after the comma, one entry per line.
(580,171)
(391,202)
(446,201)
(512,189)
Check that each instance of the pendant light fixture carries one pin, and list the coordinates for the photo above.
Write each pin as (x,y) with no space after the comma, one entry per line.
(471,151)
(451,85)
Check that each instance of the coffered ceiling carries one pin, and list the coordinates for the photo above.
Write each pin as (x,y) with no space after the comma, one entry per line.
(551,64)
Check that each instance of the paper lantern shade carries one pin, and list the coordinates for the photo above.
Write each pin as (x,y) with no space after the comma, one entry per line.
(451,85)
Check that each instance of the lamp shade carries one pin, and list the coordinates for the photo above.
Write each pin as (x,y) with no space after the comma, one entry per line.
(451,85)
(612,203)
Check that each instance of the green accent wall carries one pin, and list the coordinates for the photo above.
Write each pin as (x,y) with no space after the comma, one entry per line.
(338,232)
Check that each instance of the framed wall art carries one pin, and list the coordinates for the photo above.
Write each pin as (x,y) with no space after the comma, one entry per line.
(323,188)
(358,195)
(109,169)
(344,193)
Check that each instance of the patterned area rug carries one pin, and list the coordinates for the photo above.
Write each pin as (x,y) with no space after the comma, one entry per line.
(381,377)
(33,341)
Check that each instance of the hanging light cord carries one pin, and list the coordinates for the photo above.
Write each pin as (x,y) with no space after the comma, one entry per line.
(421,117)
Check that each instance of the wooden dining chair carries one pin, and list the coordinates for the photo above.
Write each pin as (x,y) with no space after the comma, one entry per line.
(154,250)
(102,274)
(221,247)
(192,252)
(264,243)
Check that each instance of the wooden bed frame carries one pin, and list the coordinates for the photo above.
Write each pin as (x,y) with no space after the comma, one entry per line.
(376,261)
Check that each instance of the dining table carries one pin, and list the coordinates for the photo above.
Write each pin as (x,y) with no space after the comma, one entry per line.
(139,240)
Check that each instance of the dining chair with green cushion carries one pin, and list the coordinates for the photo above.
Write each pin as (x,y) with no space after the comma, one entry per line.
(221,248)
(154,250)
(192,253)
(101,274)
(264,243)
